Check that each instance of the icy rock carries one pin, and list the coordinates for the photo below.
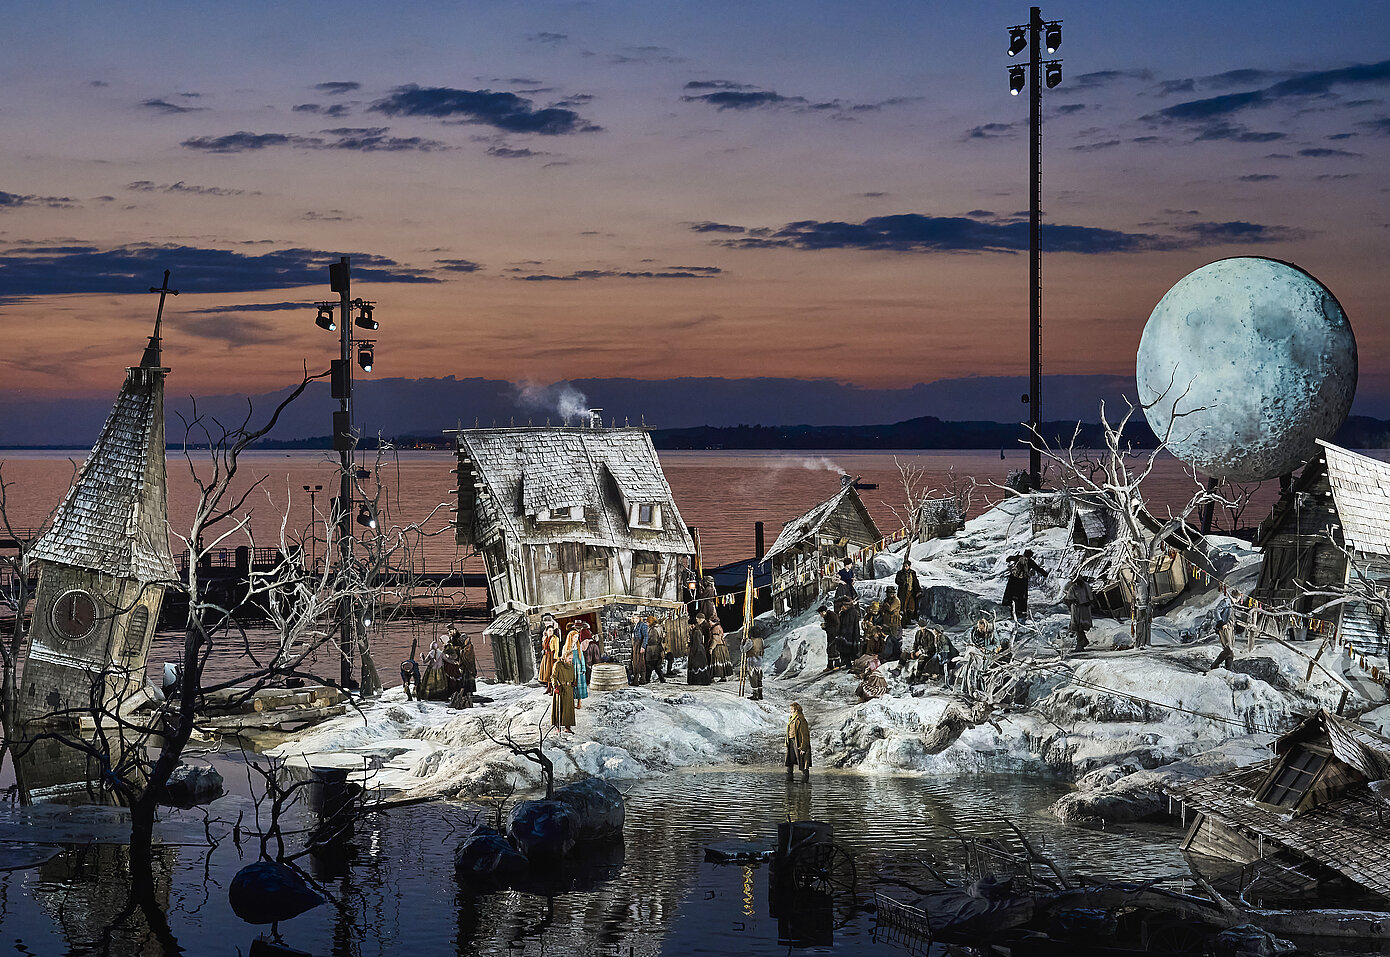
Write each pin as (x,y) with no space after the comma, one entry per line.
(948,605)
(543,829)
(1247,940)
(485,858)
(190,786)
(597,807)
(266,892)
(1263,669)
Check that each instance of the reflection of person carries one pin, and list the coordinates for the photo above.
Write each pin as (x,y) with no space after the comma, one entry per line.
(1078,596)
(798,741)
(1021,569)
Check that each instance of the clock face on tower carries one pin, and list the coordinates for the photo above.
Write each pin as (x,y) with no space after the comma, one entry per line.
(74,614)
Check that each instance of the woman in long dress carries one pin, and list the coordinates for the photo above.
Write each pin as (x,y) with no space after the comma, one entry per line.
(798,741)
(721,667)
(435,684)
(581,671)
(562,693)
(697,661)
(550,635)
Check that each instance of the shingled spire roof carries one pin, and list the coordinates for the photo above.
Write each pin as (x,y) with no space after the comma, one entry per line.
(114,519)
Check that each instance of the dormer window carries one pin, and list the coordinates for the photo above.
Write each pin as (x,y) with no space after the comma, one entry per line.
(566,513)
(646,515)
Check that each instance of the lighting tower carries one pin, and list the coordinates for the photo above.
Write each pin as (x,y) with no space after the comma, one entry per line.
(1035,35)
(345,438)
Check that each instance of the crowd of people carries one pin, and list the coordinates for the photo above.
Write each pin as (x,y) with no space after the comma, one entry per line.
(450,670)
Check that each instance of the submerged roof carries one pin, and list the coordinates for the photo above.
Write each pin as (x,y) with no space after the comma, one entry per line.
(114,519)
(804,526)
(603,471)
(1361,489)
(1345,833)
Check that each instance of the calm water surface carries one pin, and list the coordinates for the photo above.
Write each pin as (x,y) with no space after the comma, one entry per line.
(401,896)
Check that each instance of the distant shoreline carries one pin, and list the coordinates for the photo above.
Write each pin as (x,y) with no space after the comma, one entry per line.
(927,433)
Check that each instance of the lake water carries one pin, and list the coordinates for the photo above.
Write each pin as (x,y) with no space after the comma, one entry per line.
(400,895)
(721,493)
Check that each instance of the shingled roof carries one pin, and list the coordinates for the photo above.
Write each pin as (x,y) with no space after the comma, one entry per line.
(603,471)
(804,526)
(1361,489)
(114,519)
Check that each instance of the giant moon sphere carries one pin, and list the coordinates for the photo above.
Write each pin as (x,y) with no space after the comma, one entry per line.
(1250,361)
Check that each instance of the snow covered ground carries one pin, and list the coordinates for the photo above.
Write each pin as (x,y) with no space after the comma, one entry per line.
(1114,720)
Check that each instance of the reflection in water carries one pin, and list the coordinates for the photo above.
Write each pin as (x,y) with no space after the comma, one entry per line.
(399,895)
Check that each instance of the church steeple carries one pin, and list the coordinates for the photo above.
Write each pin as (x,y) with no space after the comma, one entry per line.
(151,359)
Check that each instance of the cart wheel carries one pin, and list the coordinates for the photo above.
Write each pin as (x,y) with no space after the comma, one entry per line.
(1174,937)
(824,869)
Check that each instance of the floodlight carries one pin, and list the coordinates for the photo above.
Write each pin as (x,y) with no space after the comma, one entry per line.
(1018,39)
(1016,80)
(1054,37)
(365,517)
(364,317)
(1054,74)
(324,320)
(365,356)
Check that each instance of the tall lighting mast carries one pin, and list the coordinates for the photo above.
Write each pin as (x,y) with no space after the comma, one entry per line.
(1035,36)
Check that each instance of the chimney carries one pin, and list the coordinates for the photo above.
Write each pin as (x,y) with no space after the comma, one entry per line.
(595,418)
(758,548)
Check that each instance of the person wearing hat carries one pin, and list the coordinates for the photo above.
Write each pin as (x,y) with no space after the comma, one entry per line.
(798,741)
(1020,569)
(892,625)
(707,597)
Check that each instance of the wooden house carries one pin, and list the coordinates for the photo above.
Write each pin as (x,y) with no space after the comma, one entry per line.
(939,518)
(1303,817)
(809,543)
(1338,507)
(571,522)
(1104,551)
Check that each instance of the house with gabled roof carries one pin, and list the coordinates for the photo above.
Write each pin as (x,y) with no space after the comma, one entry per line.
(1316,811)
(813,541)
(574,523)
(1332,528)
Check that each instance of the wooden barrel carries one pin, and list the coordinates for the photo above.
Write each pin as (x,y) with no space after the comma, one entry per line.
(608,677)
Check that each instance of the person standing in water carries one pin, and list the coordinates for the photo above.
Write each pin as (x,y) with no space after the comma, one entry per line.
(798,741)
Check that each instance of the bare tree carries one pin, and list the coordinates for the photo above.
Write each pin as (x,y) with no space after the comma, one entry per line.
(1117,485)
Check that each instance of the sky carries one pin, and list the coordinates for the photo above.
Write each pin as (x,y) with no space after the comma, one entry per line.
(545,191)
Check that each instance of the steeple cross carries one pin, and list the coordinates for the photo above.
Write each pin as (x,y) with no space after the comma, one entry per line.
(152,358)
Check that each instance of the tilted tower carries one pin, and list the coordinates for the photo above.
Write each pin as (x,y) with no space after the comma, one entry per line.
(104,563)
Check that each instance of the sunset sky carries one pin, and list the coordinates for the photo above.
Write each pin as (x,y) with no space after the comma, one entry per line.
(543,191)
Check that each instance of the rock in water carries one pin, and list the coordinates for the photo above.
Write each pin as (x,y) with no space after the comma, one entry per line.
(542,829)
(189,786)
(597,806)
(266,892)
(485,858)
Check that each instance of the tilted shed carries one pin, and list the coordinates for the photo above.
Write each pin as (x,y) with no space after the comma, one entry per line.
(574,522)
(811,541)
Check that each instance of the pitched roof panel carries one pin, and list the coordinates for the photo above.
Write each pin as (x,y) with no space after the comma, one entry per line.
(1361,489)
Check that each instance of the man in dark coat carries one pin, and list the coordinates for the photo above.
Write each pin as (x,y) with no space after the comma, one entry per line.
(1021,569)
(909,590)
(1078,596)
(849,631)
(707,599)
(830,621)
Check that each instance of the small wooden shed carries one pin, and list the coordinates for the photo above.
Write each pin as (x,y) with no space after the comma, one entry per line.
(808,543)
